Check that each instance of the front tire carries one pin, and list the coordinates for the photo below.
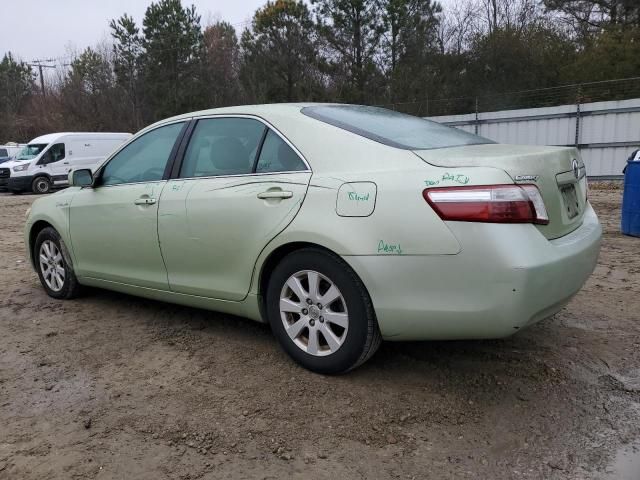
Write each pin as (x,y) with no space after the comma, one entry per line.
(54,270)
(41,185)
(321,313)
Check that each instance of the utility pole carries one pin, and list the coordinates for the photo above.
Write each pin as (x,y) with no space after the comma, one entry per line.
(40,65)
(477,122)
(578,112)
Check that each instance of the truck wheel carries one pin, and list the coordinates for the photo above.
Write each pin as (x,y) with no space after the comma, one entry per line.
(41,185)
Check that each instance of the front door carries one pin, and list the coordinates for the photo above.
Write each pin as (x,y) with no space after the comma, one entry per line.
(55,163)
(114,225)
(240,185)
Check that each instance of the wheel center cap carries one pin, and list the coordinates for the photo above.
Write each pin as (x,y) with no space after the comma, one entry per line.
(314,312)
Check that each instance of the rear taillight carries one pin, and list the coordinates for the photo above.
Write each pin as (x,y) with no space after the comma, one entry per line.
(488,203)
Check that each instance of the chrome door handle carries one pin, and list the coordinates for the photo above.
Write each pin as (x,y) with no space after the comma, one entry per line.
(275,194)
(145,201)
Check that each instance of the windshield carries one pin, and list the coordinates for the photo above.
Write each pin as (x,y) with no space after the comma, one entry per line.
(393,128)
(31,151)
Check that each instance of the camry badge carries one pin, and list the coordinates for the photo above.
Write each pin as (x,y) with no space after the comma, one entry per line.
(526,178)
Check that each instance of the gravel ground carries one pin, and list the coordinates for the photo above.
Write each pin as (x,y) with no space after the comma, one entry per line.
(111,386)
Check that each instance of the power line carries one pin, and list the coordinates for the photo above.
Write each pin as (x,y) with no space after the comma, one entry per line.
(40,64)
(60,60)
(592,91)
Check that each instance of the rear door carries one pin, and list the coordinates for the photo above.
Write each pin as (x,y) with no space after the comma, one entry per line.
(82,153)
(91,152)
(239,184)
(114,225)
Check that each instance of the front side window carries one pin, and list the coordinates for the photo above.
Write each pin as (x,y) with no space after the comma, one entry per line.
(144,159)
(222,146)
(392,128)
(31,151)
(54,154)
(277,156)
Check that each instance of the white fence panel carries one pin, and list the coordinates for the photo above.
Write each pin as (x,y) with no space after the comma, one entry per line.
(605,132)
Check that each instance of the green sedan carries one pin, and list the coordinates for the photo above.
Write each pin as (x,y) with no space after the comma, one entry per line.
(339,225)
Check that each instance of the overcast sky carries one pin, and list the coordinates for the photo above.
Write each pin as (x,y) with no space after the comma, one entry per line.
(41,29)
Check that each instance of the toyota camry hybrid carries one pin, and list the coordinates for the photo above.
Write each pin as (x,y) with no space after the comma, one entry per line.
(339,225)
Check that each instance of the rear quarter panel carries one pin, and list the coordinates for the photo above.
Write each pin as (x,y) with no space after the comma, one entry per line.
(401,224)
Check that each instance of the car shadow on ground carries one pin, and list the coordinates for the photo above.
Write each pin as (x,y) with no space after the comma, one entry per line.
(471,357)
(454,380)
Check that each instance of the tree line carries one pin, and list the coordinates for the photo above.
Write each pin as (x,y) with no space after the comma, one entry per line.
(355,51)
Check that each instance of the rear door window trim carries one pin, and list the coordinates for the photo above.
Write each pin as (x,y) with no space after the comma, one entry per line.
(175,172)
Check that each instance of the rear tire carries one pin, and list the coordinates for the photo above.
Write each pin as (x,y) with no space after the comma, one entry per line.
(53,265)
(41,185)
(321,313)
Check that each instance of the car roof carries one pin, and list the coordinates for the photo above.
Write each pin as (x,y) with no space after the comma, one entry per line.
(325,147)
(260,110)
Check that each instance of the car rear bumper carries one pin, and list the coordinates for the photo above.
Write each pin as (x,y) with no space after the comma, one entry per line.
(20,184)
(506,277)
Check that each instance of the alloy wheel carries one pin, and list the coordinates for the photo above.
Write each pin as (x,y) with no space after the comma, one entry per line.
(52,265)
(314,313)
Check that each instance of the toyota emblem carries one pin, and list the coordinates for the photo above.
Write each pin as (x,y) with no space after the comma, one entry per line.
(576,168)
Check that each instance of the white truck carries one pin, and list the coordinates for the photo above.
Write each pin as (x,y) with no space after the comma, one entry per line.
(46,161)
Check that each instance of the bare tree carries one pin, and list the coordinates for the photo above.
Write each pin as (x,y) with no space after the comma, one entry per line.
(459,21)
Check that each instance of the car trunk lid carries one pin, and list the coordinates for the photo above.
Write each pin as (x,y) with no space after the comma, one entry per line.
(558,172)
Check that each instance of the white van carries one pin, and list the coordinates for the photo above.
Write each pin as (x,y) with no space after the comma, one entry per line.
(46,161)
(9,150)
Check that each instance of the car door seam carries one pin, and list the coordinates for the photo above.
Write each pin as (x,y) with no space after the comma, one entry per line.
(255,264)
(159,196)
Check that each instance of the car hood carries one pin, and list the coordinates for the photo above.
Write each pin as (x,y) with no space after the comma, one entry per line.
(13,163)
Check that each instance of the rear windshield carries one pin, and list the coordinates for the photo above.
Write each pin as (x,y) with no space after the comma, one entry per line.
(393,128)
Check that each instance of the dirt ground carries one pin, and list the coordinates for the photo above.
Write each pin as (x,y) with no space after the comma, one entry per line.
(111,386)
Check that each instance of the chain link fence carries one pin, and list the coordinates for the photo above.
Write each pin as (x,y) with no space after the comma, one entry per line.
(619,89)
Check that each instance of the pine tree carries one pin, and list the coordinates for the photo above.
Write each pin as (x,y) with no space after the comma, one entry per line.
(172,65)
(280,53)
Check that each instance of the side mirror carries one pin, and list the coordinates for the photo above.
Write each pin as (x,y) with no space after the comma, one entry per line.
(80,178)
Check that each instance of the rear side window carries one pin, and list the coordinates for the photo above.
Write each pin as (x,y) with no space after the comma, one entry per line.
(393,128)
(54,154)
(144,159)
(277,156)
(4,152)
(222,146)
